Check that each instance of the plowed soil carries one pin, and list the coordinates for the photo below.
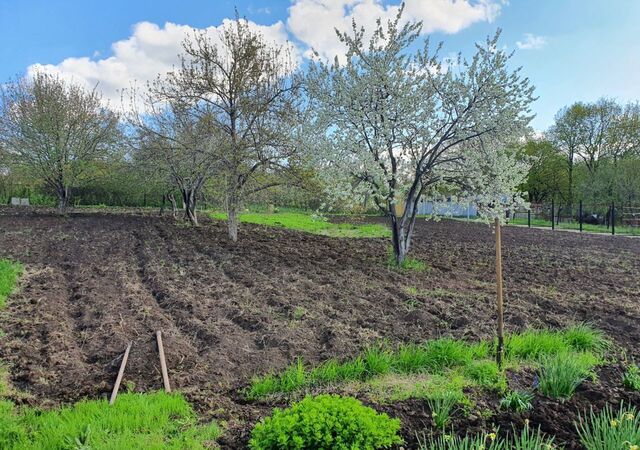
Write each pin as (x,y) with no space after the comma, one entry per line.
(95,282)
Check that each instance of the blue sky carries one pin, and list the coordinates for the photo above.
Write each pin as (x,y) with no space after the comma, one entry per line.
(579,49)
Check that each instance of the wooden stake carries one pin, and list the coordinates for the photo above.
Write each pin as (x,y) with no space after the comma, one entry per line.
(500,303)
(114,393)
(163,363)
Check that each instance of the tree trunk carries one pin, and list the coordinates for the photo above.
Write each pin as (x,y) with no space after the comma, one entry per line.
(164,203)
(63,199)
(189,200)
(174,207)
(232,218)
(402,230)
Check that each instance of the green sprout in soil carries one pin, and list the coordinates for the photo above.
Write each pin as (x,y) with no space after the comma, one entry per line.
(631,377)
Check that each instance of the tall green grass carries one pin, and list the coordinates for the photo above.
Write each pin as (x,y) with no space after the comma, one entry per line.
(440,356)
(562,373)
(149,421)
(9,273)
(311,224)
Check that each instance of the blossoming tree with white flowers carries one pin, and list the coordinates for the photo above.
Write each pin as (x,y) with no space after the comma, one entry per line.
(395,122)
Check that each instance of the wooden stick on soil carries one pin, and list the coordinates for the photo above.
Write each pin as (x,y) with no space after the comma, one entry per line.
(500,302)
(114,393)
(163,363)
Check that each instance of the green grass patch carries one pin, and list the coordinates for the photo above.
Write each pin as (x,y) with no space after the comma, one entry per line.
(470,363)
(311,224)
(408,264)
(9,273)
(532,344)
(150,421)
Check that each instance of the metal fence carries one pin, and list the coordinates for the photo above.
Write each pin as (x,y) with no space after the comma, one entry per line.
(583,217)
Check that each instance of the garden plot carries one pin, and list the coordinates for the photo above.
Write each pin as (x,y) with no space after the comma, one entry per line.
(232,312)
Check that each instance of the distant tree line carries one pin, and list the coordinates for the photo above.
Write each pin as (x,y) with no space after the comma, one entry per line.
(591,153)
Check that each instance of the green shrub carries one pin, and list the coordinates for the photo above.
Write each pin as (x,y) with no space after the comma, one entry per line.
(562,373)
(326,422)
(610,429)
(442,405)
(631,378)
(517,401)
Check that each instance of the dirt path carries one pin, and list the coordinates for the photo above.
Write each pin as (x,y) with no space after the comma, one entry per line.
(230,311)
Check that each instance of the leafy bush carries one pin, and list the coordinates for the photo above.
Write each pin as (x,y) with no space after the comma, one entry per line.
(326,422)
(442,405)
(631,378)
(561,374)
(517,401)
(526,440)
(610,429)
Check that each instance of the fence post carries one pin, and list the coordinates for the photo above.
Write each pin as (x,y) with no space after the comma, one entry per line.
(529,217)
(580,216)
(613,218)
(553,212)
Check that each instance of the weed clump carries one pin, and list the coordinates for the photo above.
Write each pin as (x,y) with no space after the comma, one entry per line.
(631,378)
(517,401)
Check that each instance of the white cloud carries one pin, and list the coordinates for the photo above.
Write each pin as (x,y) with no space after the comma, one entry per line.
(149,51)
(531,42)
(313,21)
(152,49)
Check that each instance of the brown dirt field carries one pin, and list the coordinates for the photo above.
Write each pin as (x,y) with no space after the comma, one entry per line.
(228,311)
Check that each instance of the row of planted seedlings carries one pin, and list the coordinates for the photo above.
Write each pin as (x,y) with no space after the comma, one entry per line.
(441,371)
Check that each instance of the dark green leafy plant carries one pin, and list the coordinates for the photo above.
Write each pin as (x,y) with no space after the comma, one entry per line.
(326,422)
(517,401)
